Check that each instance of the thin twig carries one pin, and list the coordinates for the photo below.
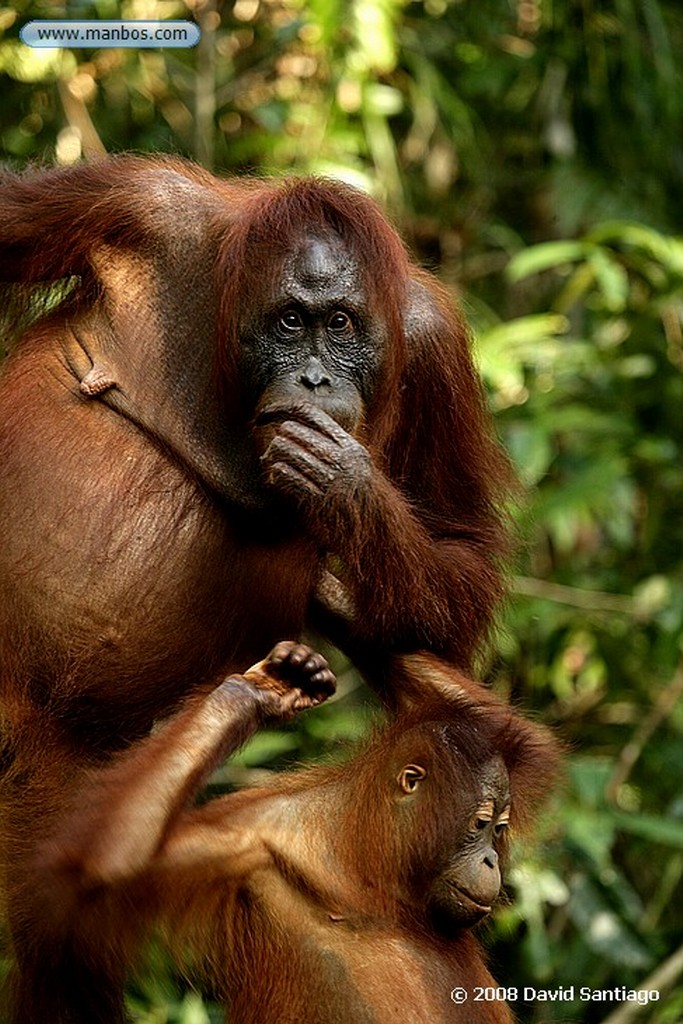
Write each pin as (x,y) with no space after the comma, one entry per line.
(661,979)
(662,707)
(589,600)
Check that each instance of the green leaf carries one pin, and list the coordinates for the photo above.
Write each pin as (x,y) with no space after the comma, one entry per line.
(592,833)
(590,776)
(545,257)
(611,279)
(523,333)
(264,747)
(603,930)
(666,249)
(532,450)
(667,831)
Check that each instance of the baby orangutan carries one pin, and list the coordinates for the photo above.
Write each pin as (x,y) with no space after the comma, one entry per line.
(333,895)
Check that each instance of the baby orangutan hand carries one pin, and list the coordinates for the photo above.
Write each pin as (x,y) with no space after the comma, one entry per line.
(291,679)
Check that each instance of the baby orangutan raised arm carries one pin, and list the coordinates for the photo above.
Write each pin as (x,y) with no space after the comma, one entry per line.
(336,895)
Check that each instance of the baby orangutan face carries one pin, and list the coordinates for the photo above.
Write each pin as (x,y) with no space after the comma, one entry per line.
(470,882)
(472,808)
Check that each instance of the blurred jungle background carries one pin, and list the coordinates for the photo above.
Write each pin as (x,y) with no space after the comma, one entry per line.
(531,153)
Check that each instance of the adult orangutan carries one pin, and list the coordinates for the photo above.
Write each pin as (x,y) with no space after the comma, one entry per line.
(335,895)
(226,389)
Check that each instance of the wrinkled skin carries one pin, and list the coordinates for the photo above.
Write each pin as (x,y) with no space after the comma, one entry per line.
(314,341)
(314,358)
(470,880)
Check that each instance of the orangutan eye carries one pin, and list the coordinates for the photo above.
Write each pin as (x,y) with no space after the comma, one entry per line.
(483,817)
(410,777)
(502,822)
(339,322)
(290,320)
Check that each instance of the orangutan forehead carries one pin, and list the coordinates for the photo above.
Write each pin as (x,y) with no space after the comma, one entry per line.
(494,778)
(321,264)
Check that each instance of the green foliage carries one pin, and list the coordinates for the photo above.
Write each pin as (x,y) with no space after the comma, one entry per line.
(592,416)
(532,152)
